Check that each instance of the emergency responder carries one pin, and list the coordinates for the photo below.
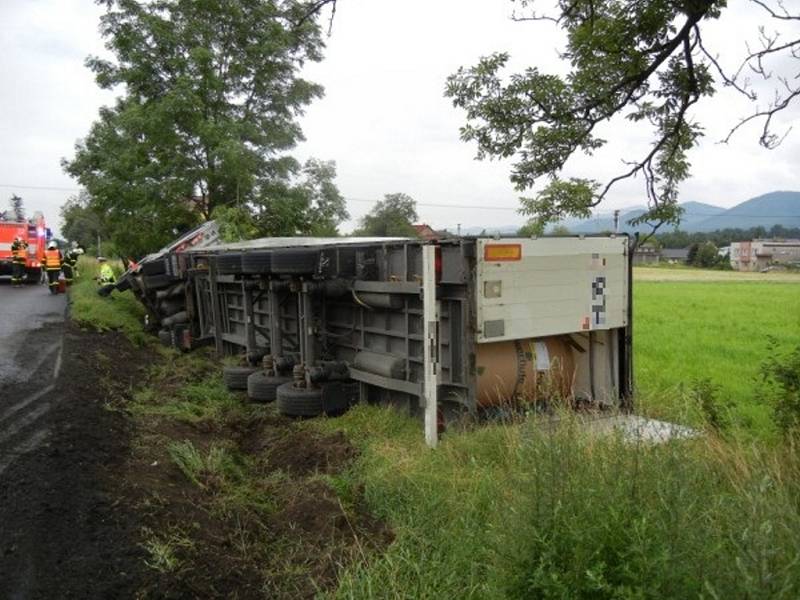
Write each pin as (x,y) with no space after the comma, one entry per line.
(19,249)
(69,267)
(52,263)
(106,272)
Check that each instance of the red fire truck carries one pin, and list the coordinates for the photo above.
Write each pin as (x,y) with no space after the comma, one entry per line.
(32,231)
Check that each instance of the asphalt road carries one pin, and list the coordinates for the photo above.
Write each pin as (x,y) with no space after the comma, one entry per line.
(31,334)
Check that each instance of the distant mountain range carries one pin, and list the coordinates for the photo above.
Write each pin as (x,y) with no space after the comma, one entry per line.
(767,210)
(774,208)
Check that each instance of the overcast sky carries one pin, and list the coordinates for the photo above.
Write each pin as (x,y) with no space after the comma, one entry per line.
(384,118)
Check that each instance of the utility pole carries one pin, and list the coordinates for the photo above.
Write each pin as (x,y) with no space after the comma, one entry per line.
(458,230)
(616,221)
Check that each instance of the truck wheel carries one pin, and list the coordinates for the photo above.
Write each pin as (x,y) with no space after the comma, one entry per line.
(332,398)
(235,378)
(258,263)
(262,387)
(33,276)
(299,402)
(295,261)
(230,264)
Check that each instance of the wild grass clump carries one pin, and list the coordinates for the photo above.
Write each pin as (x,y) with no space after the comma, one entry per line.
(202,401)
(215,468)
(163,550)
(120,311)
(526,511)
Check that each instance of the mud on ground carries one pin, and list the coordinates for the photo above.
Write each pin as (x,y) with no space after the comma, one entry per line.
(65,530)
(104,511)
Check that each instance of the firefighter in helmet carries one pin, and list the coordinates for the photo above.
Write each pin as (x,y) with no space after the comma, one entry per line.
(70,266)
(18,250)
(52,263)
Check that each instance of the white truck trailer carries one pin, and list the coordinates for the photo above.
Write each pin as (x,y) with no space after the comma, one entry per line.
(456,325)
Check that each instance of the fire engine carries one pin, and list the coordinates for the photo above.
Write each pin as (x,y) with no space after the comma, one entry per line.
(32,231)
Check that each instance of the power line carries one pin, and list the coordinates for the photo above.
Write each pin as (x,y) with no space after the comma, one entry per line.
(436,204)
(39,187)
(441,205)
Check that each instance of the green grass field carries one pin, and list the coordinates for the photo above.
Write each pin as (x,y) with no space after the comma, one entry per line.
(687,328)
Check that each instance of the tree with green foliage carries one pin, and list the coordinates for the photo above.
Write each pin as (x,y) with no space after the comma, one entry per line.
(724,237)
(81,222)
(212,93)
(326,206)
(392,216)
(644,61)
(314,206)
(707,256)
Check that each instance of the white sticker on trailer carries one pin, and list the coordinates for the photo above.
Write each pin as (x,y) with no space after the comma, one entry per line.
(542,356)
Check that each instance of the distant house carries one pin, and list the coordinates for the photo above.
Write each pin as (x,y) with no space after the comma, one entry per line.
(756,255)
(675,256)
(646,254)
(427,233)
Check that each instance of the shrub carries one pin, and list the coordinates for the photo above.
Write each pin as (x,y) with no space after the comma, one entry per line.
(781,375)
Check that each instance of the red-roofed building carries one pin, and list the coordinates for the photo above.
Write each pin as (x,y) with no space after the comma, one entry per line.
(426,232)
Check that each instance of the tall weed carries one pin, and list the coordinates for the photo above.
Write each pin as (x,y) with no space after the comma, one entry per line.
(537,510)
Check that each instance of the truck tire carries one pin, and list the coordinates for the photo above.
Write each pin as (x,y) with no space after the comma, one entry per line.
(154,267)
(331,399)
(229,264)
(33,276)
(262,387)
(257,263)
(235,378)
(299,402)
(295,261)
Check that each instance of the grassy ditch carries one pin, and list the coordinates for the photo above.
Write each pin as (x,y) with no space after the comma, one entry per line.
(513,511)
(239,486)
(119,311)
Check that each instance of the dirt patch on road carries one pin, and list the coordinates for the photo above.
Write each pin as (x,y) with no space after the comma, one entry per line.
(64,530)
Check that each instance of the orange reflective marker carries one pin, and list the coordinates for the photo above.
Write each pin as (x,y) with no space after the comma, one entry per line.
(502,252)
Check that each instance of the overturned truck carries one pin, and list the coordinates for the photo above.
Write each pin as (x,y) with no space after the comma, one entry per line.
(438,327)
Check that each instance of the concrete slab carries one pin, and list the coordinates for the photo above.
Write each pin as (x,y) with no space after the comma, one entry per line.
(635,428)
